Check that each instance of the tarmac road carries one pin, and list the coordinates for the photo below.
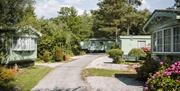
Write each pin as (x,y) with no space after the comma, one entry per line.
(67,77)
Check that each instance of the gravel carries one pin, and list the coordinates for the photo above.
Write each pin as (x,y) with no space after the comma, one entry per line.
(113,84)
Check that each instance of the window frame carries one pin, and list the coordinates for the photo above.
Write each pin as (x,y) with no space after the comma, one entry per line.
(32,46)
(172,41)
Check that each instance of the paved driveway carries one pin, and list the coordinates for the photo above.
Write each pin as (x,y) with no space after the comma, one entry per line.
(66,77)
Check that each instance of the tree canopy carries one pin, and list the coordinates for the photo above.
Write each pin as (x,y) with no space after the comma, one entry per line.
(118,15)
(113,18)
(12,11)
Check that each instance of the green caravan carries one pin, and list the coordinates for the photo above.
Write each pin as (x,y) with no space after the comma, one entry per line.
(97,44)
(18,44)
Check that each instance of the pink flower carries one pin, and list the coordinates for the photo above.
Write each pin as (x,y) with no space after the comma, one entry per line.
(173,66)
(161,63)
(176,64)
(178,81)
(167,73)
(145,88)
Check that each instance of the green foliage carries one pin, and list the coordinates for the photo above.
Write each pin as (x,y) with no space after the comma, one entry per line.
(161,83)
(29,77)
(64,31)
(58,54)
(150,66)
(6,76)
(116,55)
(106,72)
(114,45)
(137,52)
(80,26)
(118,15)
(47,56)
(2,56)
(82,52)
(12,11)
(100,72)
(165,79)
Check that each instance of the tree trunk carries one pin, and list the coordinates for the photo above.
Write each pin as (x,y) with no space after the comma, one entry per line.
(116,35)
(128,30)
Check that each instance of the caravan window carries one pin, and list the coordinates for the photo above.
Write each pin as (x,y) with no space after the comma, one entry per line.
(159,41)
(24,44)
(167,40)
(176,39)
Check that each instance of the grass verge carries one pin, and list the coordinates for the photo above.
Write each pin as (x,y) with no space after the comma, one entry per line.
(29,77)
(103,72)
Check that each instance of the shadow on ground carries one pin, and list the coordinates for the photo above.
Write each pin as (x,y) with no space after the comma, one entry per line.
(108,62)
(65,89)
(129,79)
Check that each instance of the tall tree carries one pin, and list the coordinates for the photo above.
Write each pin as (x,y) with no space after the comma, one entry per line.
(79,27)
(87,23)
(12,11)
(115,16)
(75,23)
(29,17)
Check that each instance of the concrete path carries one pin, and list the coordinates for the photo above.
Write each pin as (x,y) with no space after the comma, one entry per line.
(107,63)
(66,77)
(117,83)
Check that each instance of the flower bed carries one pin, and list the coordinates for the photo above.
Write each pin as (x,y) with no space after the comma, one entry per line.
(166,79)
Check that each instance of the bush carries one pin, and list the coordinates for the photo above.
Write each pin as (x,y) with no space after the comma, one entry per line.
(114,46)
(149,66)
(2,56)
(116,55)
(6,77)
(46,56)
(82,53)
(58,54)
(137,52)
(166,79)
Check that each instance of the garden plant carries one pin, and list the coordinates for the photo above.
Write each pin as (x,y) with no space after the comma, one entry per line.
(116,55)
(137,52)
(166,79)
(150,66)
(6,77)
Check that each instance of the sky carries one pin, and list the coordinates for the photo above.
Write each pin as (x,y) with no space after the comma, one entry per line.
(49,8)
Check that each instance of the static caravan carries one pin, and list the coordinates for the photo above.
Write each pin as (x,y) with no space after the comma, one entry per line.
(165,28)
(126,43)
(96,44)
(18,44)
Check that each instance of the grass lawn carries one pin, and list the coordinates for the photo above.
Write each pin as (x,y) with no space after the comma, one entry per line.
(29,77)
(103,72)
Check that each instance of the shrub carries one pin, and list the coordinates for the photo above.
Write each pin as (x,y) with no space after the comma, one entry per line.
(46,56)
(58,54)
(39,60)
(2,56)
(6,77)
(166,79)
(137,52)
(82,53)
(116,55)
(149,66)
(114,46)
